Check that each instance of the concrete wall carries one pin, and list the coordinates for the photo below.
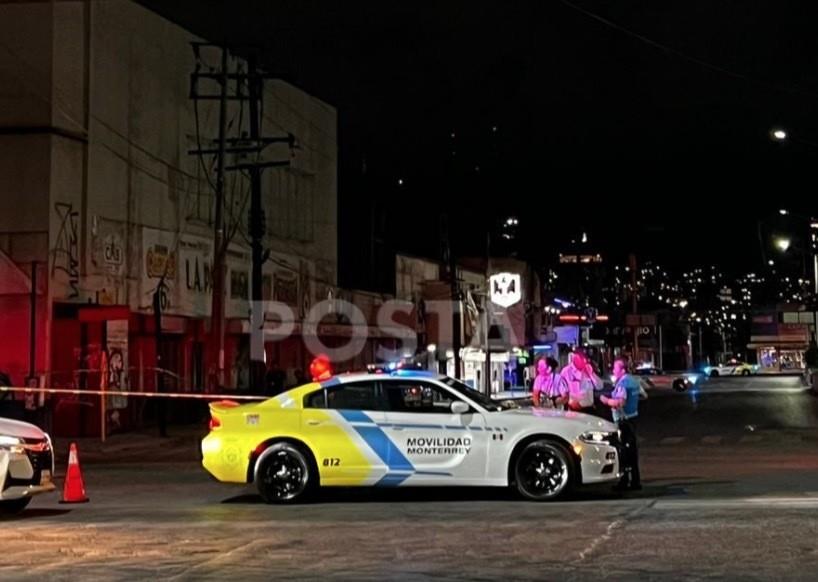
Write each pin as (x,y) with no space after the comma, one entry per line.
(94,99)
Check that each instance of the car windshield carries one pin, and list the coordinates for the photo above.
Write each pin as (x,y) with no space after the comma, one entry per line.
(475,395)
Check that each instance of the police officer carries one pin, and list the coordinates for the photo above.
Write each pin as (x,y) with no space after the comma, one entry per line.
(624,403)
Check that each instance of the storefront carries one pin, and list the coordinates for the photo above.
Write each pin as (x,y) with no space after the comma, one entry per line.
(779,347)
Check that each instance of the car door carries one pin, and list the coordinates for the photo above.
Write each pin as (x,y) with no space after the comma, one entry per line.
(437,445)
(341,424)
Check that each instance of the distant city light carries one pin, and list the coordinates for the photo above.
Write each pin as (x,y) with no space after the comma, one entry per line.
(779,134)
(400,181)
(782,243)
(784,211)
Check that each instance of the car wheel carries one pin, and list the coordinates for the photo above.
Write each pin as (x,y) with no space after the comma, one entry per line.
(284,474)
(12,506)
(543,471)
(680,385)
(714,373)
(745,372)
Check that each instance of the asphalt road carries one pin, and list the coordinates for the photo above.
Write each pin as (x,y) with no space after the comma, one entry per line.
(731,492)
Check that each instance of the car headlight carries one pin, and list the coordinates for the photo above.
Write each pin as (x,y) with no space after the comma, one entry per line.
(692,378)
(597,437)
(10,443)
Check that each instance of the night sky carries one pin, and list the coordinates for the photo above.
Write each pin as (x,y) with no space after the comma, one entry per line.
(648,130)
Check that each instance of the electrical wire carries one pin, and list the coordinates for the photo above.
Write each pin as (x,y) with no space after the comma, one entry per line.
(682,55)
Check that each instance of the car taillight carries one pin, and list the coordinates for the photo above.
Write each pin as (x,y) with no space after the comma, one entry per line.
(214,423)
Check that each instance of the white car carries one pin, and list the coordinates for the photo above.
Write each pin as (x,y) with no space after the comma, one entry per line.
(731,368)
(26,464)
(408,428)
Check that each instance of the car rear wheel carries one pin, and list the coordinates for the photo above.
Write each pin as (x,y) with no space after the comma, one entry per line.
(284,474)
(714,373)
(543,471)
(12,506)
(745,372)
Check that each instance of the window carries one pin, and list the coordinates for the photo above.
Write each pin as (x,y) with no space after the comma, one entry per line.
(292,195)
(413,396)
(355,396)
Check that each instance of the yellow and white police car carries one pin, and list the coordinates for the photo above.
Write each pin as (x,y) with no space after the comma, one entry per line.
(407,428)
(732,367)
(26,464)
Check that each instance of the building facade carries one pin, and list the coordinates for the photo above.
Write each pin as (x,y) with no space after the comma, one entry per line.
(100,196)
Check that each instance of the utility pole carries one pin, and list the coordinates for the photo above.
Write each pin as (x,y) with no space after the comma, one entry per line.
(217,298)
(456,306)
(635,307)
(488,314)
(257,229)
(256,218)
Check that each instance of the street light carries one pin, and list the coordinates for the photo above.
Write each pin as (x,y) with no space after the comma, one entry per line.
(783,212)
(782,243)
(779,134)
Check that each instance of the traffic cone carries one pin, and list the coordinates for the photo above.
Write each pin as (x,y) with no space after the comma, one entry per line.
(73,490)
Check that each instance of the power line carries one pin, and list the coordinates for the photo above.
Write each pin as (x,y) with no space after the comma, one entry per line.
(682,55)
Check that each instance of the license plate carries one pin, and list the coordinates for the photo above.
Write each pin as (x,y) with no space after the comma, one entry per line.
(45,478)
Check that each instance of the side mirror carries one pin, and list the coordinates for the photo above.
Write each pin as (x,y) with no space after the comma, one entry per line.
(459,407)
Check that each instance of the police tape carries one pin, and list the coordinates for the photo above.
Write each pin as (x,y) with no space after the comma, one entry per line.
(180,395)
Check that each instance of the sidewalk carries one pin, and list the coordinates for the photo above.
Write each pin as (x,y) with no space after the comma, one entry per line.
(182,444)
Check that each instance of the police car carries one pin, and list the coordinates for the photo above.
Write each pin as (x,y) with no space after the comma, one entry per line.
(732,367)
(26,464)
(406,428)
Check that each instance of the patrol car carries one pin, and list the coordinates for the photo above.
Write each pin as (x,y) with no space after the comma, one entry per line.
(26,464)
(732,367)
(406,428)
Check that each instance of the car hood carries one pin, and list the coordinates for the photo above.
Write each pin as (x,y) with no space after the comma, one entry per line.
(23,430)
(579,419)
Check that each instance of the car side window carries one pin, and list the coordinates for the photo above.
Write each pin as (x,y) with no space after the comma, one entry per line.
(413,396)
(353,396)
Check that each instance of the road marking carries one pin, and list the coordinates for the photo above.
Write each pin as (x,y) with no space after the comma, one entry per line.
(745,502)
(600,539)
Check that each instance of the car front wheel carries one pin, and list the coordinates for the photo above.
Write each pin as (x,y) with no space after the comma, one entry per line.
(284,474)
(543,471)
(12,506)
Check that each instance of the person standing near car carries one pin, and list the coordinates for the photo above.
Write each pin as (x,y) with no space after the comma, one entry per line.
(579,381)
(624,403)
(546,390)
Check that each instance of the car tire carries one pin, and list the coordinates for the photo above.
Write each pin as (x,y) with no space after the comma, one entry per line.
(543,471)
(285,473)
(14,506)
(745,372)
(714,373)
(680,385)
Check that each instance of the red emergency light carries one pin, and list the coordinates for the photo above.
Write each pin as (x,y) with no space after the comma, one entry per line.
(320,368)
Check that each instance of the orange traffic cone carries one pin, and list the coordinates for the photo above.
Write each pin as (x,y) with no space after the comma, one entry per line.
(73,490)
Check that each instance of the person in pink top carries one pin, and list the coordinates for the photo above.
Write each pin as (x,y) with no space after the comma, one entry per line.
(579,381)
(546,390)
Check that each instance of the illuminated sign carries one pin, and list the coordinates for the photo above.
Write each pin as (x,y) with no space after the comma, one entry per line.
(505,289)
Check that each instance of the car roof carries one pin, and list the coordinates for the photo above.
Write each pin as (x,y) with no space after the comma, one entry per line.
(293,397)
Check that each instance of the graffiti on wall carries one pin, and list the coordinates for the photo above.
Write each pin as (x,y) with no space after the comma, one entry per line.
(66,247)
